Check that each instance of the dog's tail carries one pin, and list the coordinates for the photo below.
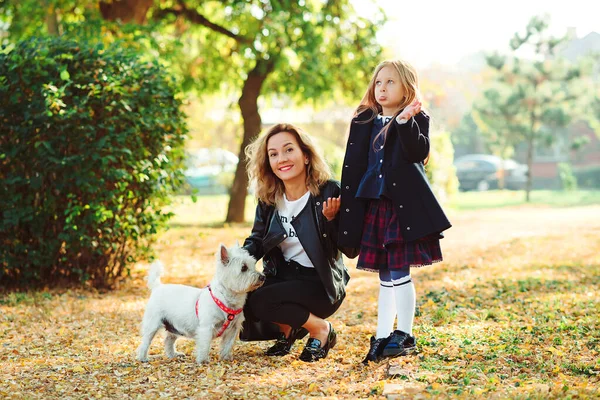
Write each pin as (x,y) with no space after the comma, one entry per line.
(154,275)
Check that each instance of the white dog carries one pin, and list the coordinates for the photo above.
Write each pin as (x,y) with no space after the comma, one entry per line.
(201,314)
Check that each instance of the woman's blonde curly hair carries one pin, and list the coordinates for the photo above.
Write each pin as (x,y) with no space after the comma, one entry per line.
(268,187)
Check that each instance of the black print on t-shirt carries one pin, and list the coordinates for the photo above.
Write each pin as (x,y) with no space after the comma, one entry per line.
(284,219)
(291,232)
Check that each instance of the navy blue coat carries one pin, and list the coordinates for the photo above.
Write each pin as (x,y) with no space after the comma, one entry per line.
(406,147)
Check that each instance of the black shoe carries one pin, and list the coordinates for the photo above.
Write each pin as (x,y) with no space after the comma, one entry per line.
(399,344)
(283,345)
(375,350)
(313,350)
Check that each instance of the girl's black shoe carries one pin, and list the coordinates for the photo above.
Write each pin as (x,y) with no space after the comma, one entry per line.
(399,344)
(313,350)
(283,345)
(376,349)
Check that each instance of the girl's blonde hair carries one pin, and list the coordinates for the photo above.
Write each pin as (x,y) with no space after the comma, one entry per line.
(410,86)
(269,188)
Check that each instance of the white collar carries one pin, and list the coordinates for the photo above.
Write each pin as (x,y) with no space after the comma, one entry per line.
(384,118)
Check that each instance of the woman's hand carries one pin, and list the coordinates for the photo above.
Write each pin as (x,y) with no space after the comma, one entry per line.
(331,207)
(410,111)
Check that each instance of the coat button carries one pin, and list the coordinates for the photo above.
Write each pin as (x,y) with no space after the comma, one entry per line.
(345,232)
(380,175)
(401,206)
(394,184)
(284,235)
(351,143)
(324,235)
(408,228)
(380,161)
(346,166)
(318,203)
(347,187)
(347,210)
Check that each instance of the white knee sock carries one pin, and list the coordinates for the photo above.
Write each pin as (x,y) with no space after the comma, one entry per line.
(406,298)
(386,310)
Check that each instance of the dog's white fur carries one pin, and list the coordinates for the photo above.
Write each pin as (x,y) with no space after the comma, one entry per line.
(173,307)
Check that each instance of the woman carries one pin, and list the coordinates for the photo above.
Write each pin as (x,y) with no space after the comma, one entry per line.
(295,233)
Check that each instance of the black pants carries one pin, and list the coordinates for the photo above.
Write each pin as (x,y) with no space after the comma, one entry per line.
(291,296)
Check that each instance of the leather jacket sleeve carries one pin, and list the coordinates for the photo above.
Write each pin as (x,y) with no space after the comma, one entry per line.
(254,243)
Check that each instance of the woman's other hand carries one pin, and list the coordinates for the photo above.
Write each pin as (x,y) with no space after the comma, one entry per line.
(331,207)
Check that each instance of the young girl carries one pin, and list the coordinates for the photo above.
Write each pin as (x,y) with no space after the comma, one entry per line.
(385,186)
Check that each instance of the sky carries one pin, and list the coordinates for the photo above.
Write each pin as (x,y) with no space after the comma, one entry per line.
(427,32)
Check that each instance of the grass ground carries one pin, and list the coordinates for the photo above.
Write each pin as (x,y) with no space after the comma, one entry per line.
(511,198)
(513,312)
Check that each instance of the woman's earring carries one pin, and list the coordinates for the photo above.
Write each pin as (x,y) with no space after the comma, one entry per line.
(306,162)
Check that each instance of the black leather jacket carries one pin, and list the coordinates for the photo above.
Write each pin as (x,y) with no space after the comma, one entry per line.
(317,236)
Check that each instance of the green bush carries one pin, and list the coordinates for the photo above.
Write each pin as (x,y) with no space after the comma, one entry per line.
(588,177)
(90,148)
(440,168)
(568,180)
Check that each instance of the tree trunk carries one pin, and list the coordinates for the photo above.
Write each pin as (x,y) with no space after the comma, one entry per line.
(248,103)
(52,21)
(530,144)
(126,10)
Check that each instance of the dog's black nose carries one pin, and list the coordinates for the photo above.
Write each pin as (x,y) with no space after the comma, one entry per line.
(262,278)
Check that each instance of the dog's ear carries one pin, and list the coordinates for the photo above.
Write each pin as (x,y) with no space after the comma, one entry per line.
(224,255)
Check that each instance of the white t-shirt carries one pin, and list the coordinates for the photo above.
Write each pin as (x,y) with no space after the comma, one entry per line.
(291,247)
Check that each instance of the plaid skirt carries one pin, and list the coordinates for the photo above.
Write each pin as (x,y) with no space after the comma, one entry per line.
(382,245)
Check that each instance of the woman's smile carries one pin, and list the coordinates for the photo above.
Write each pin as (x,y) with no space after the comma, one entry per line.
(286,158)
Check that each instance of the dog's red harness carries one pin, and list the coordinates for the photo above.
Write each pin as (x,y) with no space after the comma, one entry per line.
(230,312)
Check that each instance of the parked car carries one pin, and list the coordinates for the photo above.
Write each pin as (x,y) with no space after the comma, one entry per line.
(483,172)
(210,171)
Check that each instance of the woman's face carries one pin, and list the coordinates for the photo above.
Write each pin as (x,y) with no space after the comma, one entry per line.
(286,159)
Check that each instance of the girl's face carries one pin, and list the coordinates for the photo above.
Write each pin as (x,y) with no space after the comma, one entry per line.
(388,90)
(286,159)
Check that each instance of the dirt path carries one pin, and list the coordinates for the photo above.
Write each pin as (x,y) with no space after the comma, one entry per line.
(476,230)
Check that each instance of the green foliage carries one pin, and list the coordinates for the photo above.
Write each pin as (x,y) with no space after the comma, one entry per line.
(497,114)
(440,168)
(27,18)
(333,155)
(90,149)
(567,178)
(588,177)
(531,98)
(320,50)
(467,138)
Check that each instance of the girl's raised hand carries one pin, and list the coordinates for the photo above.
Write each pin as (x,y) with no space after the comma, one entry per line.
(331,207)
(410,111)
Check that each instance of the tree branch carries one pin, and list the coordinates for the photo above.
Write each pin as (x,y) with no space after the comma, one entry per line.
(197,18)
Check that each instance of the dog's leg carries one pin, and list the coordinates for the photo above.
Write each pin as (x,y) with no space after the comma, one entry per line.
(147,337)
(227,341)
(170,346)
(203,339)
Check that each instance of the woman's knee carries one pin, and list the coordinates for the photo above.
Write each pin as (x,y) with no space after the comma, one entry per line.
(260,302)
